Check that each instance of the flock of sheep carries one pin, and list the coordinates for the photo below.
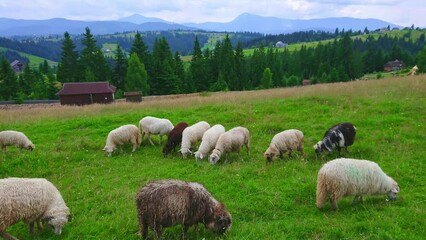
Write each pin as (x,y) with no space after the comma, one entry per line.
(165,203)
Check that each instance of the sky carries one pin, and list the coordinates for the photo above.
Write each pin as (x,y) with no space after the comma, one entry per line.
(399,12)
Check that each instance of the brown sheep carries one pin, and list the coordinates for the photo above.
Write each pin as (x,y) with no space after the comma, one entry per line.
(174,138)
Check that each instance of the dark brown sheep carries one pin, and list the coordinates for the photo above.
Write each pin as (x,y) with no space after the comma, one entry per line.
(174,138)
(339,136)
(166,203)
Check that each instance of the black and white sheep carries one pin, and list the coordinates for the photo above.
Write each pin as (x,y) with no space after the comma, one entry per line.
(191,135)
(122,135)
(154,126)
(285,141)
(174,138)
(231,141)
(209,141)
(339,136)
(15,138)
(351,177)
(166,203)
(31,200)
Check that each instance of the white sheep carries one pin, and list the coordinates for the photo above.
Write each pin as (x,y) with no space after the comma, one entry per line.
(121,135)
(31,200)
(154,126)
(285,141)
(231,141)
(209,141)
(191,135)
(351,177)
(15,138)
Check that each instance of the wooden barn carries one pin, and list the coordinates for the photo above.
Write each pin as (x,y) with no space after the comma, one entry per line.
(133,96)
(394,65)
(86,93)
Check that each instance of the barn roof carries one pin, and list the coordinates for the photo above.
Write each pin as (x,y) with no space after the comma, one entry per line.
(86,88)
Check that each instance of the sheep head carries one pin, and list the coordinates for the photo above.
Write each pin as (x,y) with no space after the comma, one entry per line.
(271,152)
(199,156)
(30,147)
(394,190)
(319,147)
(215,156)
(109,150)
(221,220)
(57,222)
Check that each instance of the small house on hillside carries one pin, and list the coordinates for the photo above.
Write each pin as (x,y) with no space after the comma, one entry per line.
(17,66)
(280,44)
(394,65)
(133,96)
(86,93)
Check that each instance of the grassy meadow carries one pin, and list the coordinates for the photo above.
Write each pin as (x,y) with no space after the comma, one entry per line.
(267,200)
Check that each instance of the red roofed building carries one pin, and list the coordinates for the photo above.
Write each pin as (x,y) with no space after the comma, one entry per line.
(86,93)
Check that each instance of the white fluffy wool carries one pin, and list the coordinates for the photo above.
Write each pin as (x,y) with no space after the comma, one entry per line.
(154,126)
(15,138)
(285,141)
(30,200)
(191,135)
(120,136)
(209,141)
(230,141)
(351,177)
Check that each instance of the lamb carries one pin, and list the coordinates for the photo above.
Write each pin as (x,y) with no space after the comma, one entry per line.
(174,138)
(351,177)
(209,141)
(192,135)
(154,126)
(15,138)
(231,141)
(31,200)
(285,141)
(166,203)
(339,136)
(121,135)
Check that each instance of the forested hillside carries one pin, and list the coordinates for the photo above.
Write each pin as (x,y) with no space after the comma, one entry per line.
(147,61)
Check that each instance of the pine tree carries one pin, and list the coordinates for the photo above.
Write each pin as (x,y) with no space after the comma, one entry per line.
(68,70)
(136,77)
(266,81)
(197,68)
(93,60)
(8,81)
(421,60)
(240,68)
(179,72)
(165,79)
(227,64)
(120,69)
(141,49)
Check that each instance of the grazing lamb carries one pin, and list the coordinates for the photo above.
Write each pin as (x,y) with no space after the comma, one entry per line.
(231,141)
(31,200)
(209,141)
(15,138)
(166,203)
(285,141)
(154,126)
(191,135)
(339,136)
(351,177)
(175,138)
(121,135)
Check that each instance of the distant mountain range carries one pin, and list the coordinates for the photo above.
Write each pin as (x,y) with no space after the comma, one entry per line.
(243,23)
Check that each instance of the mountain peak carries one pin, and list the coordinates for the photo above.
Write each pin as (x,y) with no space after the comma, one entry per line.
(139,19)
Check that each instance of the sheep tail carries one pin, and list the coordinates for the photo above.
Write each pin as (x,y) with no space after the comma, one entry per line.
(321,193)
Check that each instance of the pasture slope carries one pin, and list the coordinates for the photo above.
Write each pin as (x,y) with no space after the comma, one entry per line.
(267,201)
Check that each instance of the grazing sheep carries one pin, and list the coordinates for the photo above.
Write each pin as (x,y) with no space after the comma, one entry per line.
(175,138)
(31,200)
(16,138)
(339,136)
(351,177)
(285,141)
(231,141)
(121,135)
(166,203)
(154,126)
(209,141)
(191,135)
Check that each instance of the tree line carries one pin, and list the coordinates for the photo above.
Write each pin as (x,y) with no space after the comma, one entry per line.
(225,67)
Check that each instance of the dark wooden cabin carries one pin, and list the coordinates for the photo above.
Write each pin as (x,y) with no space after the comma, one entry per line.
(84,93)
(133,96)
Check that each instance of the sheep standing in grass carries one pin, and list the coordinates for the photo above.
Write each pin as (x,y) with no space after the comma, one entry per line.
(285,141)
(174,138)
(122,135)
(209,141)
(231,141)
(191,135)
(15,138)
(166,203)
(154,126)
(339,136)
(31,200)
(351,177)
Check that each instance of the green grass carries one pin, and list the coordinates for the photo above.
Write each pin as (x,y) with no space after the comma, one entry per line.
(267,201)
(34,60)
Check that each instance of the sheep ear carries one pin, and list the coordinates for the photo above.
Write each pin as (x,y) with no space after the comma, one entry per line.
(395,189)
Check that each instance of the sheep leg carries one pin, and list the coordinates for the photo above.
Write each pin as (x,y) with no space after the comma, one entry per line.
(158,231)
(333,202)
(39,225)
(184,231)
(143,227)
(355,200)
(150,140)
(31,228)
(248,148)
(161,139)
(7,236)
